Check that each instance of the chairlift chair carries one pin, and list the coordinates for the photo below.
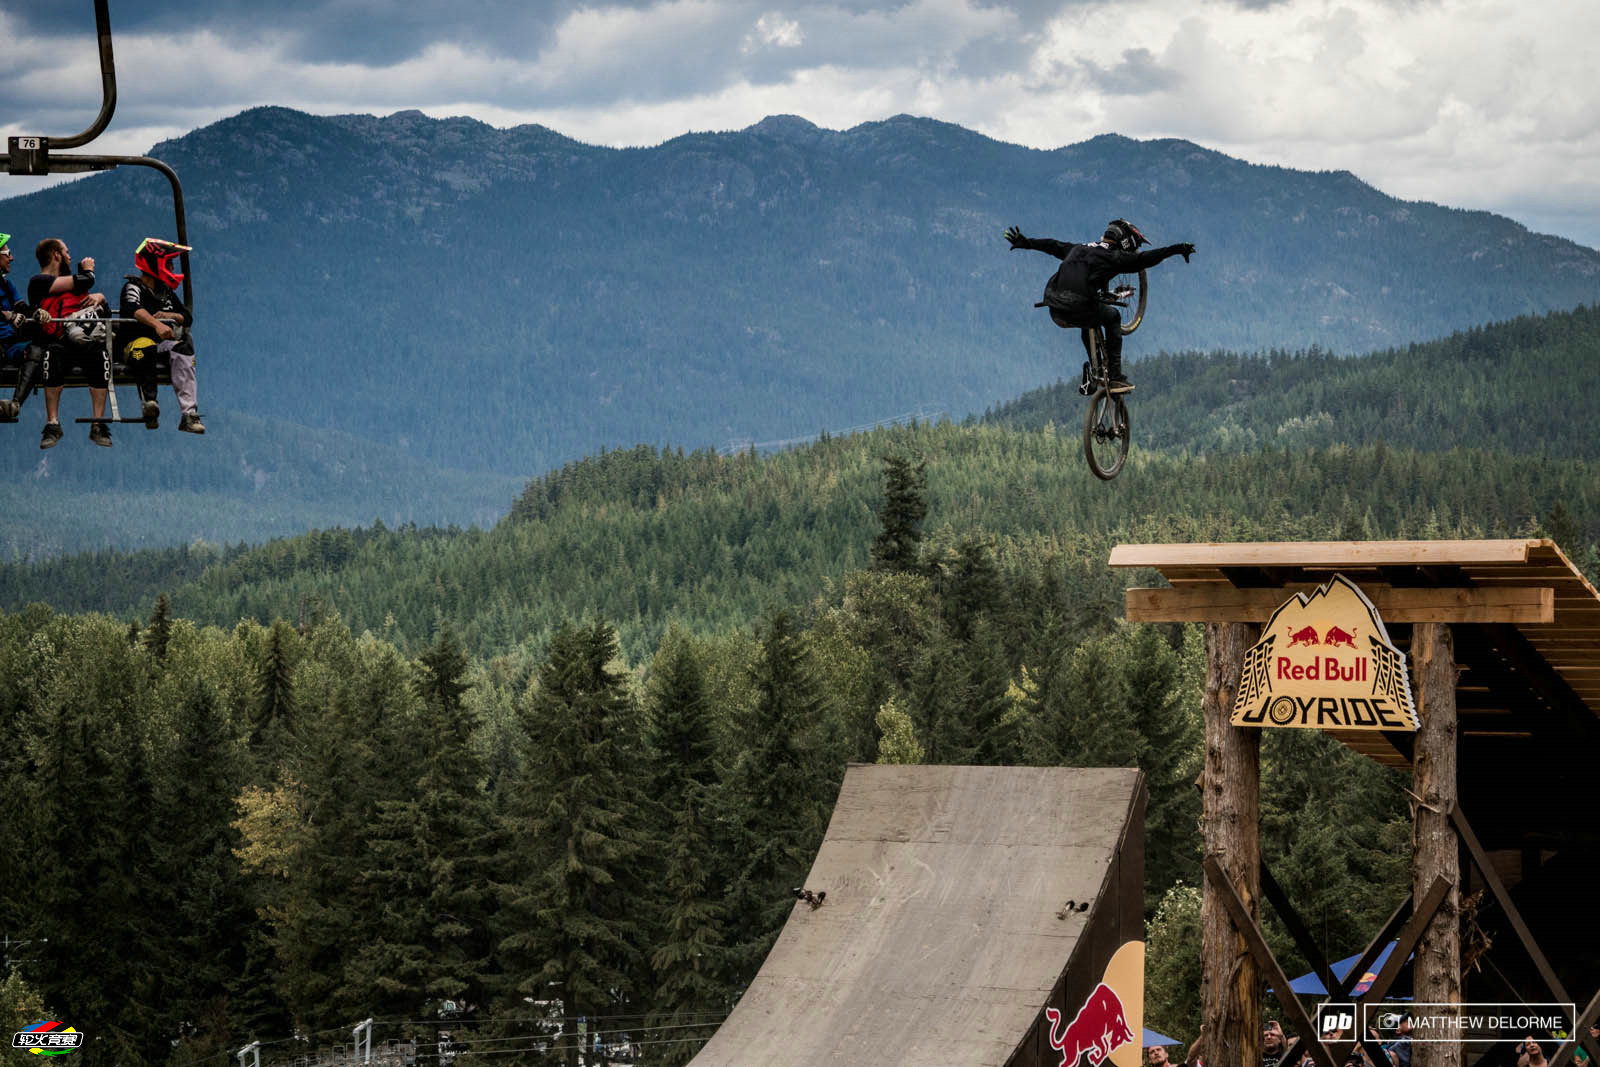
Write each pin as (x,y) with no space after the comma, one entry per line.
(37,155)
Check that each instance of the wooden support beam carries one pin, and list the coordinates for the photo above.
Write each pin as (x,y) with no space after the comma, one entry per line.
(1230,819)
(1590,1016)
(1374,949)
(1436,974)
(1297,929)
(1216,602)
(1480,860)
(1245,924)
(1331,554)
(1404,944)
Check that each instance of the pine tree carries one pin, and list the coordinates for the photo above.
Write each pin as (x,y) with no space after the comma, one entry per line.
(905,505)
(569,923)
(688,964)
(197,884)
(776,796)
(159,631)
(429,854)
(272,721)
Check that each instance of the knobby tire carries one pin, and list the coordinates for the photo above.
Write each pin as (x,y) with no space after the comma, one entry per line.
(1105,434)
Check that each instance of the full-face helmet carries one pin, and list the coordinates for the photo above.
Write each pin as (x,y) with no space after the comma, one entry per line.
(1120,233)
(159,259)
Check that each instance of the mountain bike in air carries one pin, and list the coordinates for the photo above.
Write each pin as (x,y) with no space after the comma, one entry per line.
(1105,425)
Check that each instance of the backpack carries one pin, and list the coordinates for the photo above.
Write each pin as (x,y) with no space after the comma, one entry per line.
(61,306)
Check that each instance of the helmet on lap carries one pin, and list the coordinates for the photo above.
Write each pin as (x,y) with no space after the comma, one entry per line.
(159,259)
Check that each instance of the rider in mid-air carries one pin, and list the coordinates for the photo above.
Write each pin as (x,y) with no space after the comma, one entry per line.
(1073,294)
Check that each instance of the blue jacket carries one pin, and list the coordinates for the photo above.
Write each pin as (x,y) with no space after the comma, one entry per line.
(10,344)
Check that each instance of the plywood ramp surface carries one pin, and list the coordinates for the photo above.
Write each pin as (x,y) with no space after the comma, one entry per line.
(943,931)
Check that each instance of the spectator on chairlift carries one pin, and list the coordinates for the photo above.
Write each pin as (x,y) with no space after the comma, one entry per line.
(162,329)
(60,290)
(19,329)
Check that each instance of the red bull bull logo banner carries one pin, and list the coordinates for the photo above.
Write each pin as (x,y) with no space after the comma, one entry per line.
(1105,1030)
(1325,662)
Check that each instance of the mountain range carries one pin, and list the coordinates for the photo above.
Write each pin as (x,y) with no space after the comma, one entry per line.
(456,308)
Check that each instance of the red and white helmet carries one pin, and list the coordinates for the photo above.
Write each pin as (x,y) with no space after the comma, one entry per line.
(159,259)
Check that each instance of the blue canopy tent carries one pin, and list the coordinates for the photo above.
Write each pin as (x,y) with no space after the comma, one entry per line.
(1308,983)
(1152,1038)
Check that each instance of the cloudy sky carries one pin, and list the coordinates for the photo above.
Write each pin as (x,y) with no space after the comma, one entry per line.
(1488,104)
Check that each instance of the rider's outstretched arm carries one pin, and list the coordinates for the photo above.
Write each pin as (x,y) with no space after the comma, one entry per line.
(1132,261)
(1059,249)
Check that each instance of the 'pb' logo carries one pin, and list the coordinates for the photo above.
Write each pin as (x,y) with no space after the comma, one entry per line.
(1334,1019)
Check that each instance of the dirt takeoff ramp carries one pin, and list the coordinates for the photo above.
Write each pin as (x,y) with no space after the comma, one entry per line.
(965,907)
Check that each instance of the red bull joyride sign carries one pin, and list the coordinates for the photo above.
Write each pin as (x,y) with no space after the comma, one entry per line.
(1325,662)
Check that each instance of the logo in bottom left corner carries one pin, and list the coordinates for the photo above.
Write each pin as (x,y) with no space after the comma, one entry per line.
(48,1038)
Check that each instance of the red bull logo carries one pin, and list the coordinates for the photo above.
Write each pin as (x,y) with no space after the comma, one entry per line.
(1099,1028)
(1325,661)
(1337,637)
(1305,636)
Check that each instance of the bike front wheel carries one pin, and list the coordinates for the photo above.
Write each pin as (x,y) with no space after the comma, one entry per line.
(1105,434)
(1133,307)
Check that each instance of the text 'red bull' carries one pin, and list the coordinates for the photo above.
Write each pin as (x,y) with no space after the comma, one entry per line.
(1099,1028)
(1326,669)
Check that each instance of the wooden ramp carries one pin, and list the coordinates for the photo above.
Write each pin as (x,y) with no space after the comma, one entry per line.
(961,903)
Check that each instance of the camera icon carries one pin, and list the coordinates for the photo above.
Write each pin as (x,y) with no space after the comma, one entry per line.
(1390,1020)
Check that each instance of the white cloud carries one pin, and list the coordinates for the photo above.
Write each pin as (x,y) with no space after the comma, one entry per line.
(775,31)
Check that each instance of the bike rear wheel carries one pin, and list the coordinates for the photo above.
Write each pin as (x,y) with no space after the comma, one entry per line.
(1105,434)
(1133,312)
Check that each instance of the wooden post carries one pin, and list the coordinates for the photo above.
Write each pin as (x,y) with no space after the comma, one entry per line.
(1436,974)
(1230,981)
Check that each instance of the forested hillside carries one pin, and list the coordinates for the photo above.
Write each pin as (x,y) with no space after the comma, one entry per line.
(572,765)
(644,538)
(511,300)
(273,831)
(1524,387)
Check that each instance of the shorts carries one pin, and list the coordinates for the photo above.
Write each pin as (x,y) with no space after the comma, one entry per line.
(61,360)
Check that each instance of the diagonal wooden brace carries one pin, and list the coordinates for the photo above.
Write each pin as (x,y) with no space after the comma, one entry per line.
(1264,959)
(1297,928)
(1480,859)
(1405,942)
(1590,1016)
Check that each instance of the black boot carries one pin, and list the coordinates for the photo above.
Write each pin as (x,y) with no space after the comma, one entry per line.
(1119,381)
(148,406)
(10,409)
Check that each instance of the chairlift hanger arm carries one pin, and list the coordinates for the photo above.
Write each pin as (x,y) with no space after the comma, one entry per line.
(108,83)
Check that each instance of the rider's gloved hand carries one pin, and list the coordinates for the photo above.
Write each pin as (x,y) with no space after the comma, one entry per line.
(1014,235)
(1185,250)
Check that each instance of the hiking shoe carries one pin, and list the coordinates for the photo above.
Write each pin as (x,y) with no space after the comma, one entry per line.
(190,423)
(152,414)
(1120,384)
(100,434)
(9,409)
(51,435)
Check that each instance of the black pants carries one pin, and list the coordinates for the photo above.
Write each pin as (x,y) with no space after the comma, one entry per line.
(1086,316)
